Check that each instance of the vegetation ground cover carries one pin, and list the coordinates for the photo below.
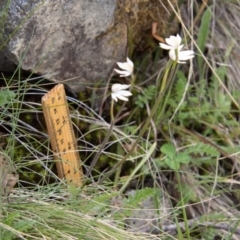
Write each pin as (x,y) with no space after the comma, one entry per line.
(184,169)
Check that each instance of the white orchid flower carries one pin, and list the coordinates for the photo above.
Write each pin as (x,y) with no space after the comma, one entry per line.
(119,92)
(127,68)
(174,46)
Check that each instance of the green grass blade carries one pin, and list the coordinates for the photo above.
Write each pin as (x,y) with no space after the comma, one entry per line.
(203,33)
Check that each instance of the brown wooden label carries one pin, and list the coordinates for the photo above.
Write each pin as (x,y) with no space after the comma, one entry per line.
(60,130)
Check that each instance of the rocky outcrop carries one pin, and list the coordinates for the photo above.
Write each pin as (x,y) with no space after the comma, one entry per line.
(75,41)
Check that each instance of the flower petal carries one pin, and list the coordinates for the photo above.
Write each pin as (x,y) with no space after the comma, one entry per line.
(169,41)
(122,73)
(130,62)
(119,92)
(186,55)
(122,98)
(179,39)
(123,94)
(114,97)
(126,66)
(180,47)
(174,41)
(165,46)
(172,54)
(174,46)
(122,65)
(118,87)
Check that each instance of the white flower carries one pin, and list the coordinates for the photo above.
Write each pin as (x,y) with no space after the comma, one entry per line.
(119,92)
(127,68)
(175,48)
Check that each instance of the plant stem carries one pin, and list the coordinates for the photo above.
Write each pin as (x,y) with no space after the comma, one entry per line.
(113,120)
(145,126)
(183,205)
(111,111)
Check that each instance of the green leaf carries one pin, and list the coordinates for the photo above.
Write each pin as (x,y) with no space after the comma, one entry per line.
(138,197)
(168,149)
(146,96)
(172,163)
(183,158)
(203,149)
(203,33)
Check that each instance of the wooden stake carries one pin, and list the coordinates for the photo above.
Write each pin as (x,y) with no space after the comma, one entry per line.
(60,130)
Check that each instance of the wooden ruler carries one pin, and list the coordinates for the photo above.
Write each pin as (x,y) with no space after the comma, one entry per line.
(60,130)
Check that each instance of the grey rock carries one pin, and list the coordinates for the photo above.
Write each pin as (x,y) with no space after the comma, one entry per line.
(150,216)
(74,41)
(78,42)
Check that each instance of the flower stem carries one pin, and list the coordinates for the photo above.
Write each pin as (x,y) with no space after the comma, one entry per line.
(113,119)
(111,111)
(171,65)
(164,81)
(133,79)
(104,141)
